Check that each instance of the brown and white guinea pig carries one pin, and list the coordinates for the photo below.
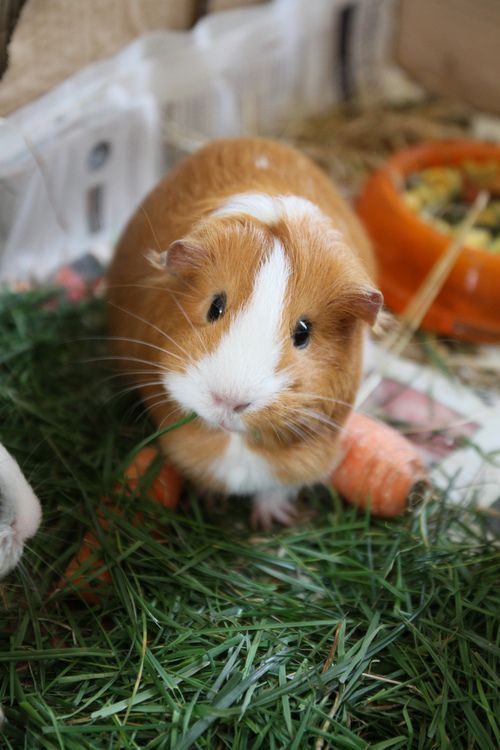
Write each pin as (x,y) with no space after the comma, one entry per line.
(239,291)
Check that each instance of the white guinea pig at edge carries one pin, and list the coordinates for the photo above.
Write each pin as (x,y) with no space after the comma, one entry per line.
(239,291)
(20,512)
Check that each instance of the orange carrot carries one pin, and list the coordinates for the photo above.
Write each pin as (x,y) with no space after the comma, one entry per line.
(166,486)
(165,489)
(80,570)
(379,467)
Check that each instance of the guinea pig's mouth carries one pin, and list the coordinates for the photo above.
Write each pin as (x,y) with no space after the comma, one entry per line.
(220,420)
(223,420)
(228,424)
(224,413)
(232,427)
(216,410)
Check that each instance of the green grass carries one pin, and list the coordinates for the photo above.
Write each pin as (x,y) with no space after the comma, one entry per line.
(343,632)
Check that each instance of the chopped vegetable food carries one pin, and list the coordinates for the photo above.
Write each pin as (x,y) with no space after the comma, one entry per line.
(441,196)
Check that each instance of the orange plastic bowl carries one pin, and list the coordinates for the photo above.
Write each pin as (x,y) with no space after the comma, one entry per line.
(468,306)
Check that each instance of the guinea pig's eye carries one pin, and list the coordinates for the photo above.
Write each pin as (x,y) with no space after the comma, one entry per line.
(301,333)
(217,308)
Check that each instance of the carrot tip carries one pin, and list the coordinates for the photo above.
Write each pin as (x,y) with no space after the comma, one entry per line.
(379,468)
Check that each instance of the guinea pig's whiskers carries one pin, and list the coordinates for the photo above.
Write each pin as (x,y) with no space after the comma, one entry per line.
(153,395)
(153,326)
(131,411)
(140,405)
(141,343)
(144,409)
(311,429)
(153,405)
(296,430)
(151,229)
(126,374)
(160,396)
(135,386)
(312,434)
(170,414)
(284,427)
(190,286)
(276,432)
(132,388)
(336,401)
(320,397)
(328,421)
(130,340)
(184,313)
(119,358)
(154,288)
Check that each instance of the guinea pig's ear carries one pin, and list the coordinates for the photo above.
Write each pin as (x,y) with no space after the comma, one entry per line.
(179,254)
(366,303)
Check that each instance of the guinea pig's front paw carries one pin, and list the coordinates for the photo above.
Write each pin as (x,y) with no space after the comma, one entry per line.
(275,505)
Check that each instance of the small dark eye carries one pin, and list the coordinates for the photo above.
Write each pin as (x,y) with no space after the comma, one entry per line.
(217,308)
(301,334)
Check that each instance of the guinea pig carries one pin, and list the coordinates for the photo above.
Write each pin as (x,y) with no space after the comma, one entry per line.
(239,290)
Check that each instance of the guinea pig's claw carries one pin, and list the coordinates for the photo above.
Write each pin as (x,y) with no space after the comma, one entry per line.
(273,506)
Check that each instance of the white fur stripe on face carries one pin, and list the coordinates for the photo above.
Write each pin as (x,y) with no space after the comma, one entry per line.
(243,368)
(269,209)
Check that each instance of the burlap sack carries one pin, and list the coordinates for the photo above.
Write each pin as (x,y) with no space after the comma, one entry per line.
(55,38)
(452,47)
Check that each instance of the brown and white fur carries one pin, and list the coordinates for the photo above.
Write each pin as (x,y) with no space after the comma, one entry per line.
(258,222)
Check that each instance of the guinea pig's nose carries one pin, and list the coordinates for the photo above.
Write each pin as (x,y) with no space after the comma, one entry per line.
(241,407)
(229,403)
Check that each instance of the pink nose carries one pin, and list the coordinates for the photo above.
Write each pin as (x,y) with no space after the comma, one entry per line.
(229,403)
